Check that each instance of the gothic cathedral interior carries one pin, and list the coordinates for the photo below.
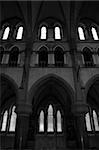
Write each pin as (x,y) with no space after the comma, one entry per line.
(49,75)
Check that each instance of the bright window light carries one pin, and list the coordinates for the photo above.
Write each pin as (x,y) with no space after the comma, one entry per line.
(4,123)
(13,120)
(59,122)
(81,33)
(43,33)
(94,33)
(6,33)
(57,33)
(41,122)
(88,123)
(50,119)
(19,33)
(95,121)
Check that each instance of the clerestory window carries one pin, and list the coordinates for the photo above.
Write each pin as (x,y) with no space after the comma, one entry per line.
(43,33)
(19,33)
(57,32)
(94,33)
(81,33)
(6,33)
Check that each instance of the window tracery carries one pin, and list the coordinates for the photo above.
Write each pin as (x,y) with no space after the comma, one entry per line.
(53,121)
(92,122)
(9,117)
(13,58)
(88,58)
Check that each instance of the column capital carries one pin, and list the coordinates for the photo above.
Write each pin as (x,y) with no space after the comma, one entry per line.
(79,108)
(24,109)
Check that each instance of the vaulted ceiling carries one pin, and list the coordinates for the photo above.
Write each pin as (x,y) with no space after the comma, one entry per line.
(32,12)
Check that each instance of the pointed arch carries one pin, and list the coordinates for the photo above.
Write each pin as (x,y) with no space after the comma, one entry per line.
(43,57)
(59,56)
(13,58)
(92,96)
(55,78)
(88,58)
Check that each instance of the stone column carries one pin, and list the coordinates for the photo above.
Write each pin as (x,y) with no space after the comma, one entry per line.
(22,57)
(33,58)
(51,59)
(79,110)
(22,126)
(23,111)
(65,58)
(5,59)
(19,57)
(37,58)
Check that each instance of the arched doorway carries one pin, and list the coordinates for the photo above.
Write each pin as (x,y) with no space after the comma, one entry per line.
(52,124)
